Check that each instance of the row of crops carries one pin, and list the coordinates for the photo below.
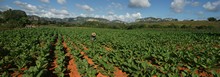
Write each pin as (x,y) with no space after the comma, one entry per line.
(138,53)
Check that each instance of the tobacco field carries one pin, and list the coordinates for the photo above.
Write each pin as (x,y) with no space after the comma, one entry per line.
(69,52)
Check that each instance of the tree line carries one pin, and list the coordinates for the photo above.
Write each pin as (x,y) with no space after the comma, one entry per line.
(19,19)
(13,18)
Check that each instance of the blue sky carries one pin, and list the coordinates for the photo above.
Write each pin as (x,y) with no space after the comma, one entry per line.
(125,10)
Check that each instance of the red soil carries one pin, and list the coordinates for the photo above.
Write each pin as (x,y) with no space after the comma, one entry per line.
(92,63)
(95,66)
(73,69)
(183,68)
(89,60)
(154,76)
(54,64)
(119,73)
(16,74)
(218,70)
(203,73)
(101,75)
(107,48)
(24,68)
(71,65)
(84,47)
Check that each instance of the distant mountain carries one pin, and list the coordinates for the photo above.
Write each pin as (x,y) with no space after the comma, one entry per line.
(33,18)
(93,19)
(153,19)
(70,20)
(117,21)
(88,19)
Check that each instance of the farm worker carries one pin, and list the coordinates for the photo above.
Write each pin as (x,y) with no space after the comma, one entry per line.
(93,36)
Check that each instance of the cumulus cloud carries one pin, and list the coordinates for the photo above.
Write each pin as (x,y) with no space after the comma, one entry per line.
(110,13)
(43,12)
(83,15)
(85,7)
(26,6)
(59,12)
(200,13)
(4,8)
(195,3)
(115,5)
(61,1)
(128,17)
(212,6)
(45,1)
(178,5)
(139,3)
(54,13)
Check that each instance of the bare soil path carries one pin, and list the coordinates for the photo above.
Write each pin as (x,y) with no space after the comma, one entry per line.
(52,63)
(71,64)
(89,60)
(117,72)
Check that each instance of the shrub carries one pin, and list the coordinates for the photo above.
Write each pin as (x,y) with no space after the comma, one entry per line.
(155,26)
(204,27)
(185,27)
(212,19)
(172,26)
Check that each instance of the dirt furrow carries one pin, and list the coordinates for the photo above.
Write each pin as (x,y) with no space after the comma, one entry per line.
(52,63)
(89,60)
(117,72)
(16,74)
(107,48)
(71,64)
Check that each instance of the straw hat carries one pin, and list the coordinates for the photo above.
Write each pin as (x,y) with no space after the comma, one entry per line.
(93,34)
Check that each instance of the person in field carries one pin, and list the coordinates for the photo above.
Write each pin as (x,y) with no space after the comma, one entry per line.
(93,36)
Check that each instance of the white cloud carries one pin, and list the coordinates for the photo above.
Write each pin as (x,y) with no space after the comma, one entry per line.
(200,13)
(42,12)
(212,6)
(54,13)
(85,7)
(59,12)
(129,17)
(126,17)
(139,3)
(61,1)
(4,8)
(45,1)
(178,5)
(83,15)
(26,6)
(110,13)
(115,5)
(136,15)
(195,3)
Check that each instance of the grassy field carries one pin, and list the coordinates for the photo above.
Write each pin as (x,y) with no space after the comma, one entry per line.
(69,51)
(188,23)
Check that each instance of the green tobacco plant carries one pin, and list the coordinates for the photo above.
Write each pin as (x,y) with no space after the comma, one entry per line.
(141,52)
